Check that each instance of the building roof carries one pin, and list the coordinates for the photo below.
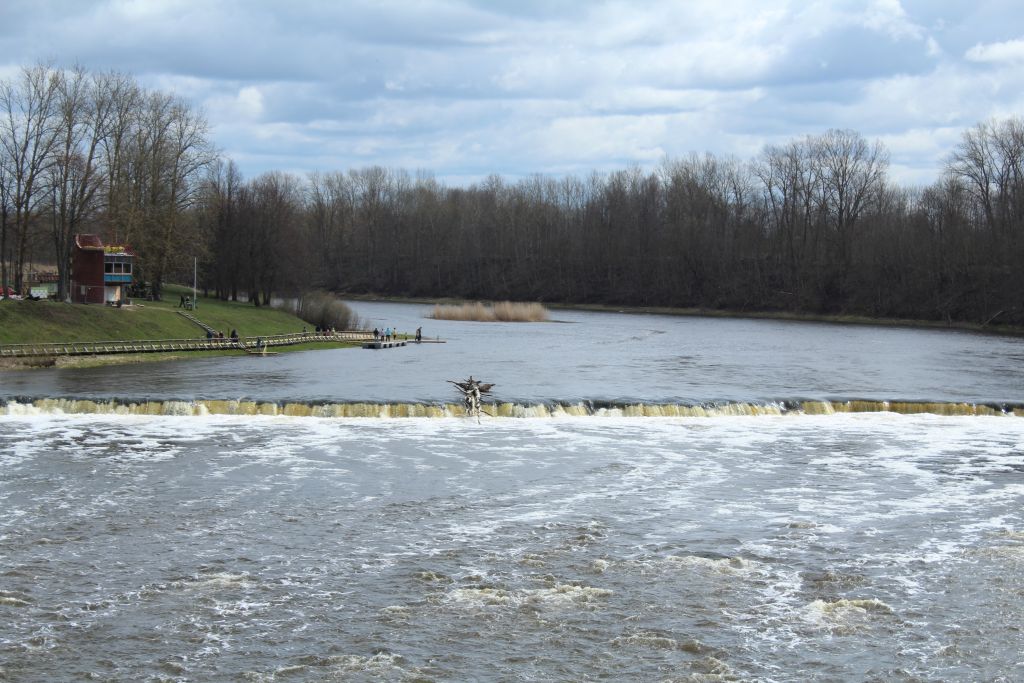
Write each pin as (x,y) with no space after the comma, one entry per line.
(94,243)
(90,242)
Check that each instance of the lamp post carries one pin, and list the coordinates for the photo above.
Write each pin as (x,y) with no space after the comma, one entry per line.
(195,279)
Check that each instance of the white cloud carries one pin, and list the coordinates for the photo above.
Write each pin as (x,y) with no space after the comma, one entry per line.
(890,17)
(470,87)
(1010,51)
(230,109)
(917,152)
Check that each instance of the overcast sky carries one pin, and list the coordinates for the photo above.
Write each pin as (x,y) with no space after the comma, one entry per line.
(464,89)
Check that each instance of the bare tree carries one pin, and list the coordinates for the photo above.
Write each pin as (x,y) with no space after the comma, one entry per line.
(220,218)
(4,213)
(852,173)
(788,179)
(29,132)
(990,159)
(122,180)
(85,104)
(162,165)
(274,229)
(990,162)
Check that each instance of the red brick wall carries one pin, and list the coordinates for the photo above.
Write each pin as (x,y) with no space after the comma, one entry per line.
(87,271)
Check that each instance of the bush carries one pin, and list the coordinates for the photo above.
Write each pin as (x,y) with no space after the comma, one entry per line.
(324,310)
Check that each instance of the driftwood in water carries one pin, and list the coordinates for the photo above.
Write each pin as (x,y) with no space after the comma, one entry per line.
(472,393)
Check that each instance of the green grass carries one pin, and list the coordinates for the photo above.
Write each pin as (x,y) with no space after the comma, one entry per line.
(23,322)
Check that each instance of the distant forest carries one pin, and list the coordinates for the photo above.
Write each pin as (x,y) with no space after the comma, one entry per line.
(811,226)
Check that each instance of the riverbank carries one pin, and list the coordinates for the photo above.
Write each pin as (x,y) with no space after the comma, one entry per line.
(842,319)
(41,322)
(1006,330)
(102,360)
(31,322)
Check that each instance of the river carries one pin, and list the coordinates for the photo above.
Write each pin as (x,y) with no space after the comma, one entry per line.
(824,503)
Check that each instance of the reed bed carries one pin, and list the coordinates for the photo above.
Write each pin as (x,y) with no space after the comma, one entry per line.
(501,311)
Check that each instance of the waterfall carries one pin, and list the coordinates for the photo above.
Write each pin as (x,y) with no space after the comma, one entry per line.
(201,407)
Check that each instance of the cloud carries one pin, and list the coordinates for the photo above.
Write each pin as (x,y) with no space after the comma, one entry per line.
(471,87)
(245,105)
(1010,51)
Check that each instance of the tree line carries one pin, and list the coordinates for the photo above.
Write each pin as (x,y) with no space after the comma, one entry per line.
(814,225)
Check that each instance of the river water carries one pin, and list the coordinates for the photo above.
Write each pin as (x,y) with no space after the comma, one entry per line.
(810,515)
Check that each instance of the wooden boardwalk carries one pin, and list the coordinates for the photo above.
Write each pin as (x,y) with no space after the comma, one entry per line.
(248,344)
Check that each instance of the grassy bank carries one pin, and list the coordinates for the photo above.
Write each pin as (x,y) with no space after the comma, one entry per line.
(26,322)
(23,322)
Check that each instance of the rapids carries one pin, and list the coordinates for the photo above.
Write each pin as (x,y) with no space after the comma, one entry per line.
(650,499)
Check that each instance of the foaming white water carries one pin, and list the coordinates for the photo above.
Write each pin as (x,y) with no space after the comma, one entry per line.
(384,666)
(723,565)
(497,410)
(559,596)
(615,547)
(846,616)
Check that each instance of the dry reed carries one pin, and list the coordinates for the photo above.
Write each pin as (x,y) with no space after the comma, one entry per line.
(502,311)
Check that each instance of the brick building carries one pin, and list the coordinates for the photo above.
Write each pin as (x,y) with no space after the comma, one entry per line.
(100,273)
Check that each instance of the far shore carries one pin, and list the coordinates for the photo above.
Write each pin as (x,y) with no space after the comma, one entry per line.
(842,319)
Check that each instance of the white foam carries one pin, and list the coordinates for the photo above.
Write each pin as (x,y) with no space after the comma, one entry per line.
(565,595)
(721,565)
(558,596)
(844,614)
(215,581)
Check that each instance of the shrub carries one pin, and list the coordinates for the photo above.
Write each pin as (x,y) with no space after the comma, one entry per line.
(326,311)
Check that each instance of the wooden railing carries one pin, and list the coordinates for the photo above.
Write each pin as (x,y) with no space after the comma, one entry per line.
(166,345)
(197,321)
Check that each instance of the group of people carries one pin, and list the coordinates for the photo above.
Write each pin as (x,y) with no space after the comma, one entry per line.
(210,334)
(387,334)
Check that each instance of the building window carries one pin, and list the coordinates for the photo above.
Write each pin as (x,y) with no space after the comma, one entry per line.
(117,267)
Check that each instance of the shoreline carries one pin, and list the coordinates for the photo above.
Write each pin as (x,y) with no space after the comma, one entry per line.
(839,319)
(60,362)
(104,360)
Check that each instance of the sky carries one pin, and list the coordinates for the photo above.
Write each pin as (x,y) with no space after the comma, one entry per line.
(464,89)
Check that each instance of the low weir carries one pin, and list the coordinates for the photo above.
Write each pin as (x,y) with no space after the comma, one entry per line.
(73,406)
